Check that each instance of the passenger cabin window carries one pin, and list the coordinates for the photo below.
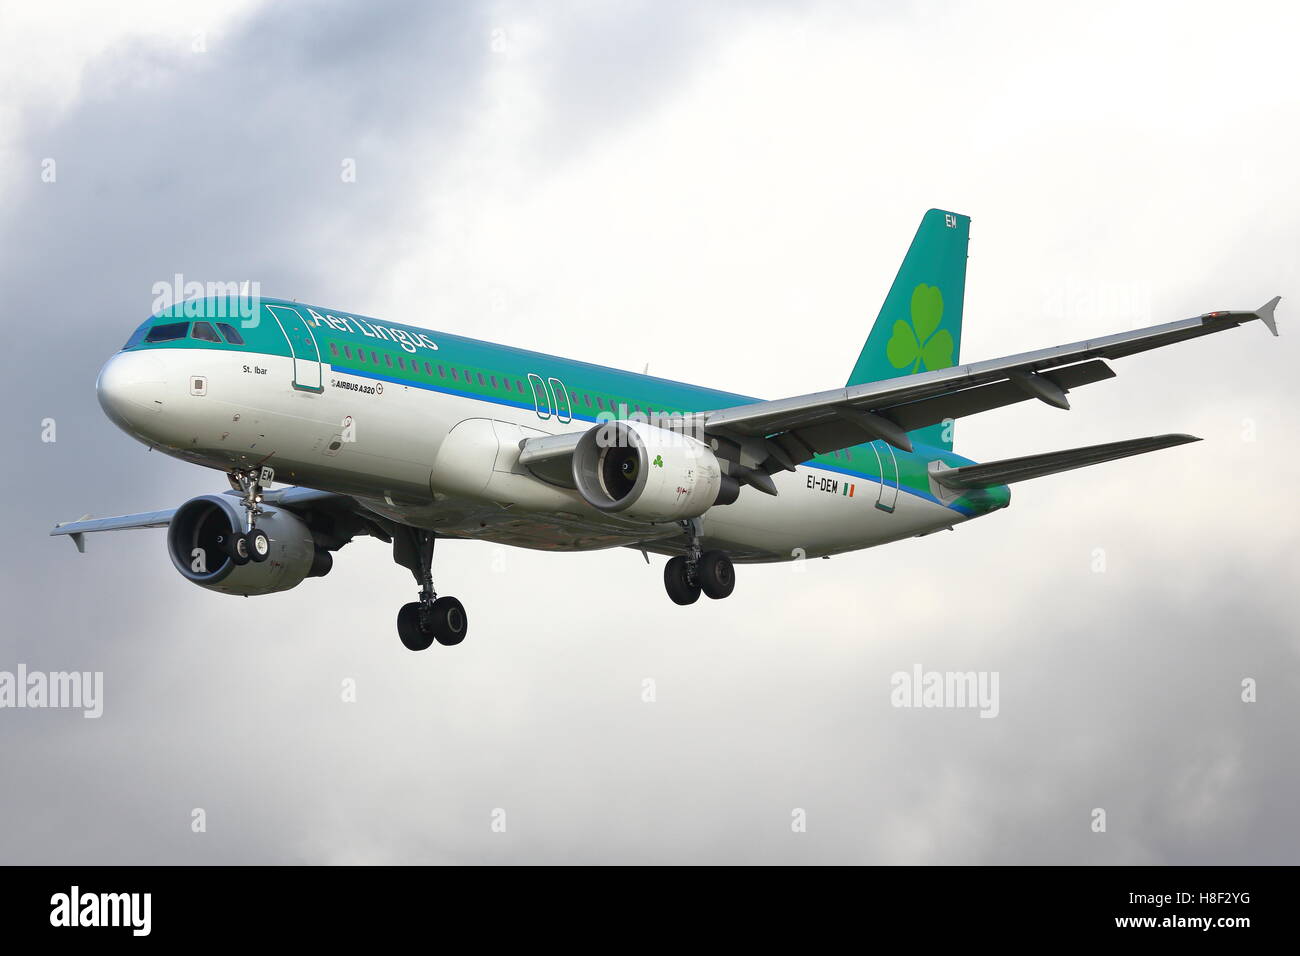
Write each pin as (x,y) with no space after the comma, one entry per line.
(334,349)
(204,332)
(168,333)
(231,334)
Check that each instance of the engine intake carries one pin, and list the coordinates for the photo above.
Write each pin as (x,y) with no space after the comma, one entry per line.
(199,528)
(649,472)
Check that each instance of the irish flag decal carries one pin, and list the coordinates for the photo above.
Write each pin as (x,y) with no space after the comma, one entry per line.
(848,490)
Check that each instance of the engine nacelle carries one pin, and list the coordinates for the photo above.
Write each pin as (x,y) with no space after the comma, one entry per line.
(649,472)
(199,525)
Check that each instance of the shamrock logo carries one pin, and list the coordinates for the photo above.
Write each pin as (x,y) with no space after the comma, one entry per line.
(659,461)
(918,343)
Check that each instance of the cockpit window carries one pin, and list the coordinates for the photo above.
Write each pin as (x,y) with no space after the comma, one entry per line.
(167,333)
(138,335)
(232,336)
(204,332)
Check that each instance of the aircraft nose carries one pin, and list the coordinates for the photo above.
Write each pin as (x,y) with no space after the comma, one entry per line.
(130,388)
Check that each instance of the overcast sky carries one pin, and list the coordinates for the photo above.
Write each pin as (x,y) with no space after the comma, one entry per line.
(724,194)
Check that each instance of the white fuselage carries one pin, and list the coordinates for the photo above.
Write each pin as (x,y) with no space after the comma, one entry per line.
(448,462)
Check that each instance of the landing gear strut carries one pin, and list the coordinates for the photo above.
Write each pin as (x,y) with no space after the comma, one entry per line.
(710,572)
(431,618)
(253,544)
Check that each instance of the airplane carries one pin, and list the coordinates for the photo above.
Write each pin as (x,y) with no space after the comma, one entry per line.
(410,435)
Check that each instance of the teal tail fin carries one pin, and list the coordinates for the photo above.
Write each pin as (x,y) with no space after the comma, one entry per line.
(919,326)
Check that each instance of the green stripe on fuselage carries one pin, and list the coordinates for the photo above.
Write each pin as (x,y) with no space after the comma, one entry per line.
(403,351)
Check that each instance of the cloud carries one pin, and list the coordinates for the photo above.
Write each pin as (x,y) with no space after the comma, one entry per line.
(725,198)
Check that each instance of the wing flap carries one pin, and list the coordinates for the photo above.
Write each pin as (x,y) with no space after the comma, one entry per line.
(840,431)
(988,474)
(982,398)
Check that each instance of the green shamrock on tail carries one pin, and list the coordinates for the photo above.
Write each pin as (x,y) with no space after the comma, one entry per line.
(918,343)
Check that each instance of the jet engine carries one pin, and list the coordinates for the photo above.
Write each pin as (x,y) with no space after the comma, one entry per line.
(649,472)
(198,540)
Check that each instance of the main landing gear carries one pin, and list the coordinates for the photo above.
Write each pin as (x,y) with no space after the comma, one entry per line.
(431,618)
(712,572)
(253,544)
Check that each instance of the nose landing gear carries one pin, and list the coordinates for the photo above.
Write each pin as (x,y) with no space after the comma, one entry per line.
(431,618)
(258,544)
(253,544)
(710,572)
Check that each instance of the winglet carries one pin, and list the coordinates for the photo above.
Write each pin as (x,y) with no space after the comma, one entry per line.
(78,537)
(1265,313)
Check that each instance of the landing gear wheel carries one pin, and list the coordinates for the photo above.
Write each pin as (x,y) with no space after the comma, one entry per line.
(716,574)
(414,637)
(448,621)
(252,545)
(677,582)
(258,545)
(431,618)
(237,548)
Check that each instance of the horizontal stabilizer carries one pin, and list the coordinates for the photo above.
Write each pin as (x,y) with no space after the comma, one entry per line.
(1004,472)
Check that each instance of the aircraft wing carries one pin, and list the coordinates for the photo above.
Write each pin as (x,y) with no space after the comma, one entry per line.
(295,499)
(80,528)
(988,474)
(765,437)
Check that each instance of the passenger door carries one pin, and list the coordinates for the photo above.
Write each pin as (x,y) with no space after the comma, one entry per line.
(887,500)
(302,346)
